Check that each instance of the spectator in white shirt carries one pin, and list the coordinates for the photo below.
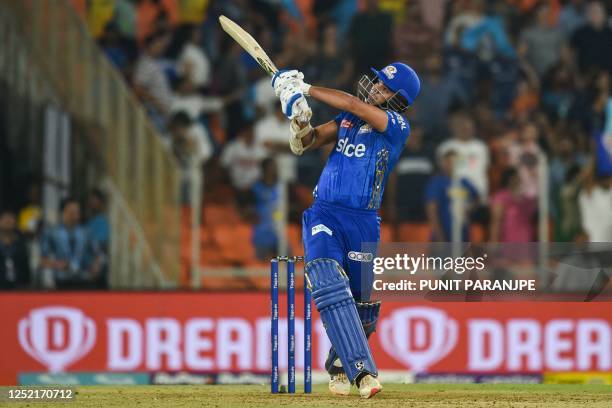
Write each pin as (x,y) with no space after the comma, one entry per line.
(150,81)
(242,157)
(192,62)
(472,154)
(272,134)
(191,146)
(188,100)
(595,204)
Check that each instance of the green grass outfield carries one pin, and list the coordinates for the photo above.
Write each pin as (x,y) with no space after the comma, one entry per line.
(394,395)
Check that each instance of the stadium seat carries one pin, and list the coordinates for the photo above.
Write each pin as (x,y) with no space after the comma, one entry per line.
(294,235)
(412,232)
(235,242)
(386,233)
(477,233)
(219,214)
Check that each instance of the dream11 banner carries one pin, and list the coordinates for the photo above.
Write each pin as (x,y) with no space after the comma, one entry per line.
(230,332)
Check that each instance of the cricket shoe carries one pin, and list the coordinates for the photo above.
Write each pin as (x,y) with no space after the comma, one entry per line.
(339,384)
(369,386)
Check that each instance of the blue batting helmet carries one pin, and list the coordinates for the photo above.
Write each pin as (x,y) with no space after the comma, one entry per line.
(400,78)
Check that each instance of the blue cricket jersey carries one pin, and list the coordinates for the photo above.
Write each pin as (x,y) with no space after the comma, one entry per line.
(358,168)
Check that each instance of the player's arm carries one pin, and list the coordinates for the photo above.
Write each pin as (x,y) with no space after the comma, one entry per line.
(497,214)
(343,101)
(322,135)
(305,137)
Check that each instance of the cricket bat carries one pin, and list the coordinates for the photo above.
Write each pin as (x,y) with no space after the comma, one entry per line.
(253,48)
(249,44)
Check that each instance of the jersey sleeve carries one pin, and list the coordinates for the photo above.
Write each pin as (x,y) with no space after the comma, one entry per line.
(397,127)
(339,117)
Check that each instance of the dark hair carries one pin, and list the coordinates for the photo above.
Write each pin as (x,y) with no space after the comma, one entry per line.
(154,36)
(181,36)
(7,210)
(67,200)
(449,152)
(572,173)
(507,176)
(267,162)
(178,81)
(99,194)
(180,119)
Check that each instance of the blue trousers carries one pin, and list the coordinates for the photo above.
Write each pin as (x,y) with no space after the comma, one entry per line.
(336,232)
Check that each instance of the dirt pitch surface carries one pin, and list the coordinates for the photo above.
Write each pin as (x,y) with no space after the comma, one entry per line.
(393,395)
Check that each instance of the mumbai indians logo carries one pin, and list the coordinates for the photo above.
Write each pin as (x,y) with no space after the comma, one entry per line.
(365,128)
(390,71)
(360,256)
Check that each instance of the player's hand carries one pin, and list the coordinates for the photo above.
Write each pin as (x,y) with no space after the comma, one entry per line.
(294,104)
(285,78)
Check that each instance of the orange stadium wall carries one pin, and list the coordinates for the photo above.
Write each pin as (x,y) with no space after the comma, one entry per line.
(229,332)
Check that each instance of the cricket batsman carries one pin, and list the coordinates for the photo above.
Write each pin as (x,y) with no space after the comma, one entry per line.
(369,135)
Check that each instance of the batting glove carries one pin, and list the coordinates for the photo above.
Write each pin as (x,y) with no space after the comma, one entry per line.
(285,78)
(294,104)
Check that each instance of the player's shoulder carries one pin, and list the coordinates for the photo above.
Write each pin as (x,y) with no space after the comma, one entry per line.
(397,123)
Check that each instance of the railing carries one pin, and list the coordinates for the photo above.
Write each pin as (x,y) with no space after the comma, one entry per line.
(46,42)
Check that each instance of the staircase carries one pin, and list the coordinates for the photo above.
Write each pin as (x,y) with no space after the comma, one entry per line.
(48,57)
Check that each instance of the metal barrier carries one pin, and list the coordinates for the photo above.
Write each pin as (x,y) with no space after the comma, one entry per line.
(48,55)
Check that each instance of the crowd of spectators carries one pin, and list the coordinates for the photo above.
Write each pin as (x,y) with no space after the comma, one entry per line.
(505,85)
(71,253)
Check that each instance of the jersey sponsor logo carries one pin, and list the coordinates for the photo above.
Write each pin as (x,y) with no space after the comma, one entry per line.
(400,120)
(321,228)
(360,256)
(390,71)
(346,124)
(349,149)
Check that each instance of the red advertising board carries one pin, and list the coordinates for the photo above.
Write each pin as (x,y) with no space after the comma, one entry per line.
(214,332)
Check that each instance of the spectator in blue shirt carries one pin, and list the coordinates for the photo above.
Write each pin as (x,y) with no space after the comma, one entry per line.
(439,196)
(97,225)
(69,259)
(266,192)
(98,228)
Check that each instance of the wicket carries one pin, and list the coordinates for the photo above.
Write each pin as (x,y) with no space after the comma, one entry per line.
(275,377)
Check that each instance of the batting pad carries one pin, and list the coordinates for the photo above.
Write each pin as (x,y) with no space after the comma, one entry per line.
(368,313)
(334,301)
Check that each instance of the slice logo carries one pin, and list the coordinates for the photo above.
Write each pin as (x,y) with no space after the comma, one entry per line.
(350,149)
(56,336)
(418,337)
(321,228)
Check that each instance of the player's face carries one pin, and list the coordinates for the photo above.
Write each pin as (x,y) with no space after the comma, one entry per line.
(379,94)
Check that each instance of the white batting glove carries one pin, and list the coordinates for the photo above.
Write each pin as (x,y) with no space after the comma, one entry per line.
(284,78)
(294,104)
